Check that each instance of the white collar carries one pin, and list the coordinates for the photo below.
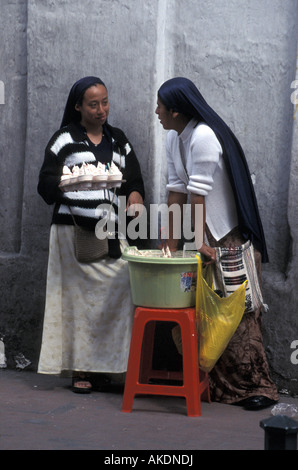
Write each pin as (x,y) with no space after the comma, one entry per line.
(187,131)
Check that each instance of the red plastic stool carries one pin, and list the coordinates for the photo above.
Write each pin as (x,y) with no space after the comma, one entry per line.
(195,383)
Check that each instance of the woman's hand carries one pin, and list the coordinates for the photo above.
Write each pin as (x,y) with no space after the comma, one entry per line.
(209,254)
(135,204)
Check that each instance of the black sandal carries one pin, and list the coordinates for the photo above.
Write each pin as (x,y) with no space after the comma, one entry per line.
(81,378)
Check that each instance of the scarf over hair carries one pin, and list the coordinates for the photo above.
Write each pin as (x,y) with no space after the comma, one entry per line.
(77,90)
(181,95)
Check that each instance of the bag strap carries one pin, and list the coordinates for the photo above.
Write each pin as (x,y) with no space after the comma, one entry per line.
(69,207)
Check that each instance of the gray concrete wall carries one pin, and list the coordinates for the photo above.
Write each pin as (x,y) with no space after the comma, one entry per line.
(242,56)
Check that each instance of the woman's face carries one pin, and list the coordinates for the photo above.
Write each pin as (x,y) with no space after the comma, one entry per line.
(95,106)
(165,116)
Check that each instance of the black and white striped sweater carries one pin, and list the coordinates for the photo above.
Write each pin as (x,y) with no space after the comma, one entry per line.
(69,146)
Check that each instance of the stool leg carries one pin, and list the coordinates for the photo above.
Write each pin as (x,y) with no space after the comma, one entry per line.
(191,369)
(147,352)
(133,366)
(204,386)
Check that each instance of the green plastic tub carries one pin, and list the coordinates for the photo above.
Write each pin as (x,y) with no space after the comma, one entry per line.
(160,282)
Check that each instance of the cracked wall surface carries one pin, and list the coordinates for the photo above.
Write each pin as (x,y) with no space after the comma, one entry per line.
(243,57)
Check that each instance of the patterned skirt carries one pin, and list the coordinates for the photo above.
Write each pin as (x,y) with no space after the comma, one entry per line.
(242,371)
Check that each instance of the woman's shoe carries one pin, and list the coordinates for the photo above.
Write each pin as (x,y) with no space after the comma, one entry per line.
(257,402)
(81,383)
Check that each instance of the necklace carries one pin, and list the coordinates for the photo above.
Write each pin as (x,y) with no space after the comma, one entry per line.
(92,143)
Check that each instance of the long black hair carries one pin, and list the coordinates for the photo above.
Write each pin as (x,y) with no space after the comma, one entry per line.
(75,95)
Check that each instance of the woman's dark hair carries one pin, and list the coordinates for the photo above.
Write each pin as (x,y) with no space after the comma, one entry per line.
(76,96)
(81,97)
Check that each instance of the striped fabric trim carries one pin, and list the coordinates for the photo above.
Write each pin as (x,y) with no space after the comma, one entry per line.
(95,213)
(77,158)
(62,140)
(233,267)
(96,195)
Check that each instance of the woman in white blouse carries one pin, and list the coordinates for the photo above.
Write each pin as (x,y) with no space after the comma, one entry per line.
(207,165)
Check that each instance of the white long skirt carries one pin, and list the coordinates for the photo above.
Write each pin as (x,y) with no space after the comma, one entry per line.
(88,311)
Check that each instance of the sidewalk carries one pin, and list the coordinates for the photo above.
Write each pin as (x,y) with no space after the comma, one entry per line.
(39,412)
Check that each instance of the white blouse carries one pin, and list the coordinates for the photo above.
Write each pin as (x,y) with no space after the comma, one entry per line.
(195,165)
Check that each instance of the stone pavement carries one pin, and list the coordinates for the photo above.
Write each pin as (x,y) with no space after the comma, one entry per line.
(39,412)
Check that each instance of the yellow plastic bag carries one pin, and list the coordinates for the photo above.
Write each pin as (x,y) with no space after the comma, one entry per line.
(217,318)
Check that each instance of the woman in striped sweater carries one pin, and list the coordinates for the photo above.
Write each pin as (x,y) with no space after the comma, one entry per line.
(88,311)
